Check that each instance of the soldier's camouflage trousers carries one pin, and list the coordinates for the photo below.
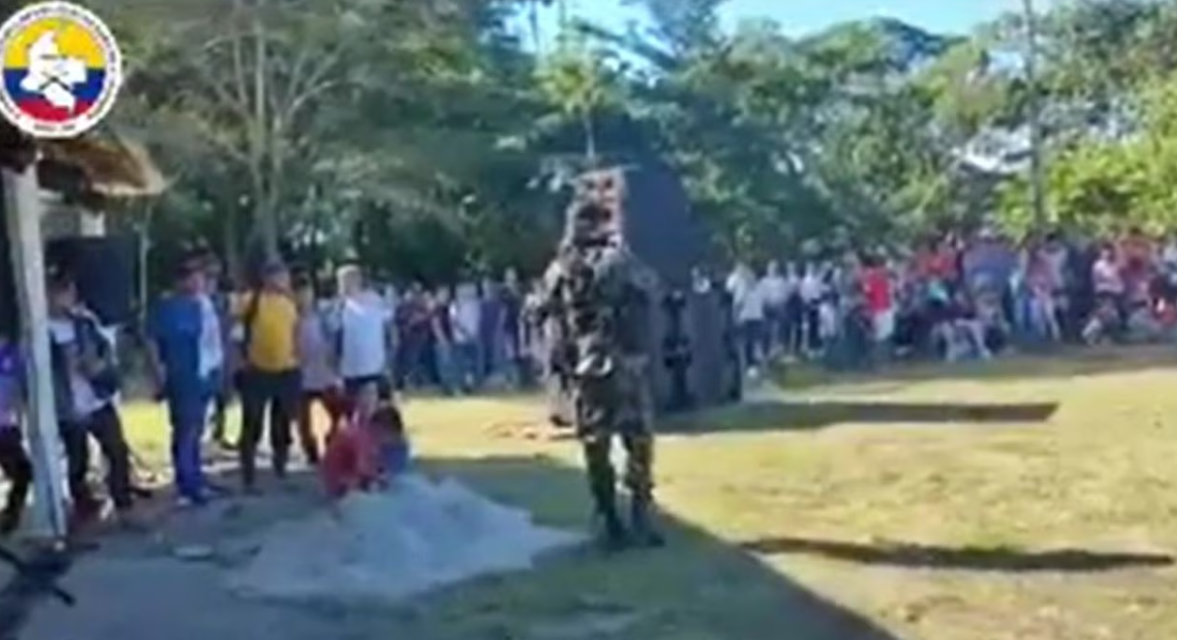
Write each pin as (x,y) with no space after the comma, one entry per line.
(619,406)
(639,460)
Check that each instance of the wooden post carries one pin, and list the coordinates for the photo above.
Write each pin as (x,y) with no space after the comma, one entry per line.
(23,209)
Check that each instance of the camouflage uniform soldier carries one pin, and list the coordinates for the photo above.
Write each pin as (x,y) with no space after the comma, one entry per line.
(600,295)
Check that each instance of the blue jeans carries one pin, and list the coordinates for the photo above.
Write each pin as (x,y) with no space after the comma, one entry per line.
(492,349)
(467,365)
(443,356)
(188,404)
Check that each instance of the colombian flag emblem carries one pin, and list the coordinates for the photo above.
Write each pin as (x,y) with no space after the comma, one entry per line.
(62,69)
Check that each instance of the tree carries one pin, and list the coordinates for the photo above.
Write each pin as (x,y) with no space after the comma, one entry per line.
(262,81)
(425,138)
(685,27)
(579,80)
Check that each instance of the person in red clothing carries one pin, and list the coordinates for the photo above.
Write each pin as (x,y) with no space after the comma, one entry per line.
(350,460)
(363,452)
(1137,261)
(937,262)
(876,290)
(925,259)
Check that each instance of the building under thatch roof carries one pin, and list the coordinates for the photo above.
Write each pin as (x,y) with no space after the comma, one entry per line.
(87,170)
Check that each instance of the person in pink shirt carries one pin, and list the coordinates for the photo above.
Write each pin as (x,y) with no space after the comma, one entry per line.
(1042,286)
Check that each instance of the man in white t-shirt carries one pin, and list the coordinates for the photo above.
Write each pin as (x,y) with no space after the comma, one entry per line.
(775,287)
(739,282)
(811,289)
(748,302)
(363,334)
(466,321)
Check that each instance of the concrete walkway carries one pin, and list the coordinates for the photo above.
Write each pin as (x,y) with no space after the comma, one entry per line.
(176,582)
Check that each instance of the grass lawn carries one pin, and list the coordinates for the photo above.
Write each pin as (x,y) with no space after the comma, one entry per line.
(1045,510)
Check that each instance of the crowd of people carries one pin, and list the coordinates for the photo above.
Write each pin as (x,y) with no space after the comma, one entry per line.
(285,346)
(464,337)
(957,298)
(277,347)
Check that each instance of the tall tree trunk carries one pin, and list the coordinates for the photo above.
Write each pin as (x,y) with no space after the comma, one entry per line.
(533,20)
(231,244)
(590,137)
(1037,176)
(267,227)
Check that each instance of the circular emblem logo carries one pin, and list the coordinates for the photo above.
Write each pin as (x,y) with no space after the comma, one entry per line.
(62,69)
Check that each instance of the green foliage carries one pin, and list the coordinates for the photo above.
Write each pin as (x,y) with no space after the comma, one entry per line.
(580,82)
(425,137)
(1109,184)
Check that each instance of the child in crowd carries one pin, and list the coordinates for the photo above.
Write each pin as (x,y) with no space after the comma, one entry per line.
(1104,323)
(367,449)
(1042,312)
(13,459)
(319,369)
(962,332)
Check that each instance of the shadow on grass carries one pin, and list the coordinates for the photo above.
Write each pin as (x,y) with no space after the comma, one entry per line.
(1063,362)
(697,586)
(818,414)
(1003,559)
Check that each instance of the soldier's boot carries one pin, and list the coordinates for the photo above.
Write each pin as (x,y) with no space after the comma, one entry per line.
(611,531)
(643,531)
(639,479)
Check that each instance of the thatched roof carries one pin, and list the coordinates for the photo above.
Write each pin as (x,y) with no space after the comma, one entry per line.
(101,164)
(113,167)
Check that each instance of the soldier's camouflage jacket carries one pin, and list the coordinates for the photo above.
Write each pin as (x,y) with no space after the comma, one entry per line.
(599,297)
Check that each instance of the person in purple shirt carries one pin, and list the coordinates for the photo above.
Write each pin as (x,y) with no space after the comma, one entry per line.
(14,461)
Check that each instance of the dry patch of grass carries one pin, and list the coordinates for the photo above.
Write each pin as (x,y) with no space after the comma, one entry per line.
(857,526)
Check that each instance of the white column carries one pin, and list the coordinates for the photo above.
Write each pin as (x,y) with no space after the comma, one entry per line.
(23,208)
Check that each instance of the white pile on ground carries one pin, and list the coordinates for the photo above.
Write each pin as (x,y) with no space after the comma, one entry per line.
(387,546)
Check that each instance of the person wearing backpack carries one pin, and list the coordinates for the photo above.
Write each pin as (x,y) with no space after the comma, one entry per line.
(86,385)
(269,380)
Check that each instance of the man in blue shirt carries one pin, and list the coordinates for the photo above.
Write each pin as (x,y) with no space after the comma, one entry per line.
(184,377)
